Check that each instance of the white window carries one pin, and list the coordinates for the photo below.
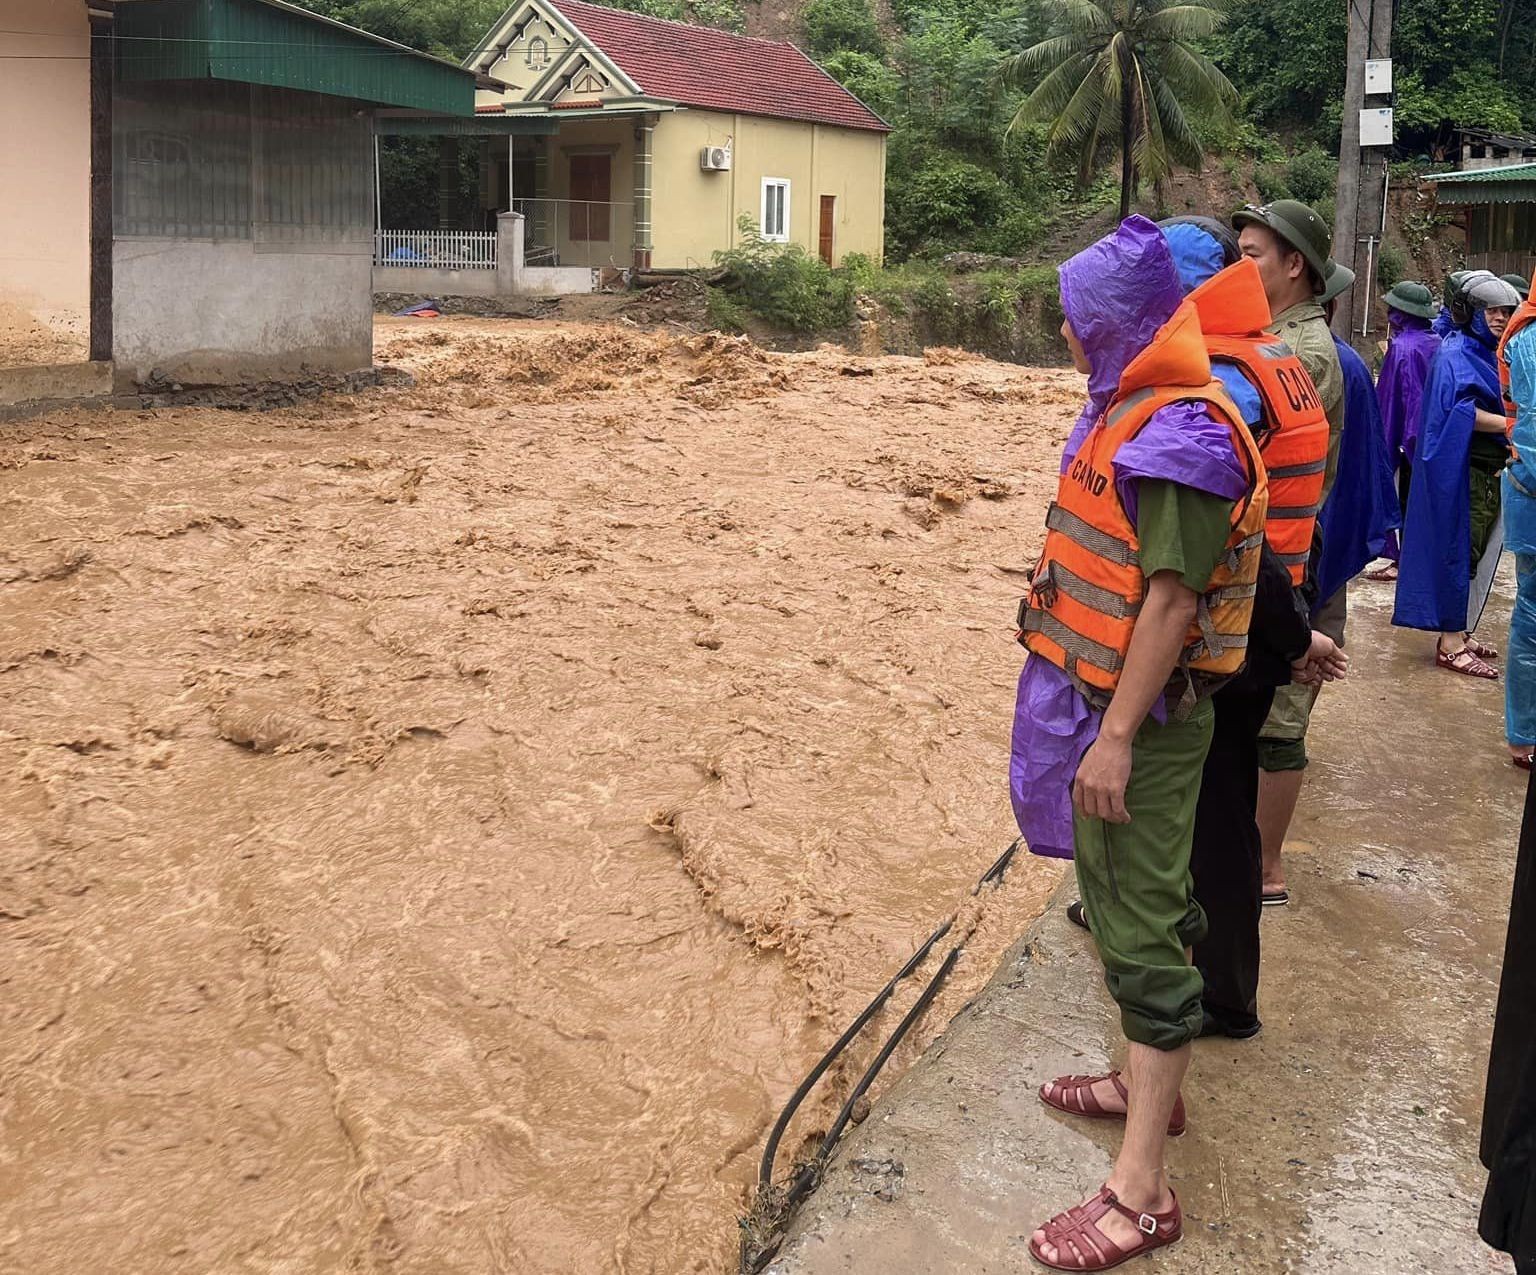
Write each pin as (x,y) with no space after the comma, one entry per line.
(775,218)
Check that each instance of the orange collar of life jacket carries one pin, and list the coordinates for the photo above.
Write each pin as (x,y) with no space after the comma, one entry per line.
(1524,315)
(1175,356)
(1232,302)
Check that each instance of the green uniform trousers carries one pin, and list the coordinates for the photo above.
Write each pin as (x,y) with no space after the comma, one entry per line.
(1136,887)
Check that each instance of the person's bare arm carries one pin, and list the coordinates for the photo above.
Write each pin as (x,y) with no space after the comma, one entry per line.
(1166,613)
(1489,422)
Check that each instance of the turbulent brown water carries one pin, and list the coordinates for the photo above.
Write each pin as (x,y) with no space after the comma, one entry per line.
(441,826)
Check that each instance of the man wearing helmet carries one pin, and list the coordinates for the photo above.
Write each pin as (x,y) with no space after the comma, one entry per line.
(1451,538)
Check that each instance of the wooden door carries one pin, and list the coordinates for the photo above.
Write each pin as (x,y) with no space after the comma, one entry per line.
(828,221)
(591,189)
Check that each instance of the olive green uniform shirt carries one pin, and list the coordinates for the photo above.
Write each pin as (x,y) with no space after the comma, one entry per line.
(1304,327)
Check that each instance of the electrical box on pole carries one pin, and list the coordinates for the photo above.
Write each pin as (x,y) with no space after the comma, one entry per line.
(1376,126)
(1378,76)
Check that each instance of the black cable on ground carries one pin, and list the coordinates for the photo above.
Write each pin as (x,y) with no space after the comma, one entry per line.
(810,1173)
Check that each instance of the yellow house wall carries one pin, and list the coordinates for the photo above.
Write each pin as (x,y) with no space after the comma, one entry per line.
(574,137)
(694,212)
(45,172)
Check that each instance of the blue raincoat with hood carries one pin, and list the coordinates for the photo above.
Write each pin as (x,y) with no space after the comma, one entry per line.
(1116,294)
(1361,514)
(1435,574)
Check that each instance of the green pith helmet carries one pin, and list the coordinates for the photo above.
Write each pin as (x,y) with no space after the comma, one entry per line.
(1452,282)
(1411,298)
(1338,281)
(1519,283)
(1295,223)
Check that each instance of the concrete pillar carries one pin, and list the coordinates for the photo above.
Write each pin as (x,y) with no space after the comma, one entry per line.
(510,230)
(645,138)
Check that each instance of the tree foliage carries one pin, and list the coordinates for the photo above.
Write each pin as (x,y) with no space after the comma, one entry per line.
(1123,76)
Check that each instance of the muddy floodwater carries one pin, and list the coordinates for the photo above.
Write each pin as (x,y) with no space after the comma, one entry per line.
(439,827)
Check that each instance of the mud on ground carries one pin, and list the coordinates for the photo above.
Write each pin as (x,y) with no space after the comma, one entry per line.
(441,825)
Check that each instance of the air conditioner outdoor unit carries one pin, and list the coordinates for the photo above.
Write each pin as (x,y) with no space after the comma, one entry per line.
(715,159)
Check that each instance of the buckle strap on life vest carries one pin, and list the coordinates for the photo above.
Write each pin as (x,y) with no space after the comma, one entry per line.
(1061,578)
(1235,553)
(1075,644)
(1099,543)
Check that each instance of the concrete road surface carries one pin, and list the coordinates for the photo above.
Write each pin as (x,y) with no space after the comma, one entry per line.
(1343,1138)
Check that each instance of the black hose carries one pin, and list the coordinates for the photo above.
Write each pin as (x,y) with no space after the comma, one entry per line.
(770,1152)
(807,1176)
(873,1070)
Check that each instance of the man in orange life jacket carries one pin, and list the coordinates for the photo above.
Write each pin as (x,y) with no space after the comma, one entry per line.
(1138,610)
(1286,417)
(1290,244)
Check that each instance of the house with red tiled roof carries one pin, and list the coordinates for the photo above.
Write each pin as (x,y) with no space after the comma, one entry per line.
(635,142)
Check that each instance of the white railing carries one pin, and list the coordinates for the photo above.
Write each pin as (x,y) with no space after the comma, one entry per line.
(439,249)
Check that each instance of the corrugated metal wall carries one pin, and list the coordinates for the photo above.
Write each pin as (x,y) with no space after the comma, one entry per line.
(209,160)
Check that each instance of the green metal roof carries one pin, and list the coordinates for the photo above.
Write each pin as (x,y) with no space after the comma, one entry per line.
(1506,184)
(278,44)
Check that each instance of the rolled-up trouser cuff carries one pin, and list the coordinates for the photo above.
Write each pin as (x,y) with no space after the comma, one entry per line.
(1282,754)
(1195,925)
(1159,1033)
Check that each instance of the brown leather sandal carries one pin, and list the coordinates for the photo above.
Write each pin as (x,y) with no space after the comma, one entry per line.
(1081,1246)
(1481,649)
(1467,662)
(1077,1099)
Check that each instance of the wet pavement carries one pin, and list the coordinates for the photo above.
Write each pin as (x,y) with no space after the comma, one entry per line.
(1344,1137)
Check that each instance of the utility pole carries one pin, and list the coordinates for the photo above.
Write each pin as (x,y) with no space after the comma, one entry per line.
(1361,197)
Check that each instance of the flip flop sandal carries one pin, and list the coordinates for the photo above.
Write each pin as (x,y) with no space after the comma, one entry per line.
(1275,898)
(1077,915)
(1081,1246)
(1076,1099)
(1482,650)
(1466,662)
(1383,576)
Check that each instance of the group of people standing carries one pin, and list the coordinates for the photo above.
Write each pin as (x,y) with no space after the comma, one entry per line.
(1466,492)
(1229,474)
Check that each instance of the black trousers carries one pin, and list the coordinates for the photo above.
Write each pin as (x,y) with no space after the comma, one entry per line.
(1508,1220)
(1226,860)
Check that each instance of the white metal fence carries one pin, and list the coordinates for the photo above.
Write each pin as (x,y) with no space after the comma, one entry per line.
(577,232)
(438,249)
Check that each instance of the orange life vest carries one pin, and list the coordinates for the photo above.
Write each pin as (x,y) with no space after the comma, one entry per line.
(1526,313)
(1089,586)
(1294,439)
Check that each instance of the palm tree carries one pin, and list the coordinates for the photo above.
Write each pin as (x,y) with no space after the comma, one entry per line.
(1123,74)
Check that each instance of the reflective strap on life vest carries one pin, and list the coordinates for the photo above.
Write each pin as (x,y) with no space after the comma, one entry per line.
(1234,593)
(1099,543)
(1236,552)
(1297,471)
(1293,511)
(1294,559)
(1071,641)
(1094,597)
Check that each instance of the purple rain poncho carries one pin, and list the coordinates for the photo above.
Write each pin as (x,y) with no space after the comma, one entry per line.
(1400,387)
(1116,294)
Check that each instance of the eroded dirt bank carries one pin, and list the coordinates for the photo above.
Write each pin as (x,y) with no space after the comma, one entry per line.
(440,826)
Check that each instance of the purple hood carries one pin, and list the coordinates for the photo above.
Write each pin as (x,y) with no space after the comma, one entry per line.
(1116,294)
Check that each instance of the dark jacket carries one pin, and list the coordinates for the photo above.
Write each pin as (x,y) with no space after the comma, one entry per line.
(1281,630)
